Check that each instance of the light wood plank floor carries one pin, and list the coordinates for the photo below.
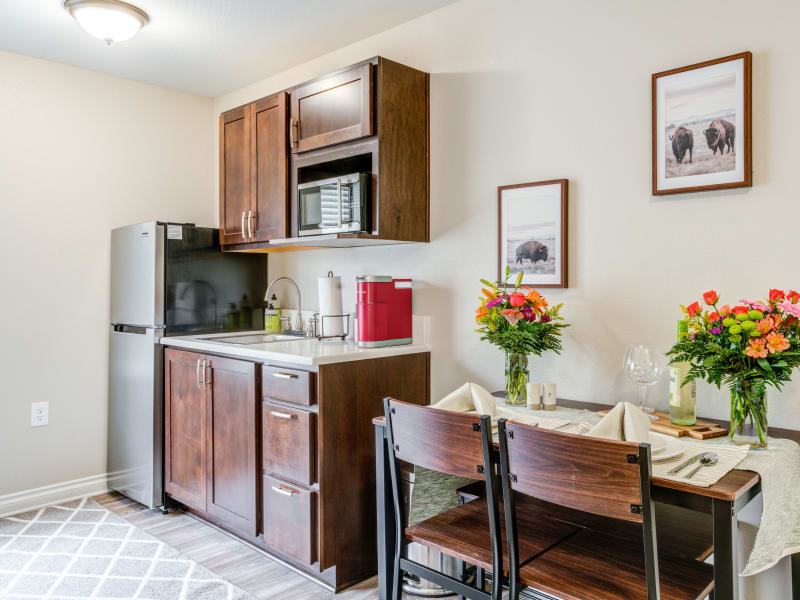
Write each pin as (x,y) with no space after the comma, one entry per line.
(229,558)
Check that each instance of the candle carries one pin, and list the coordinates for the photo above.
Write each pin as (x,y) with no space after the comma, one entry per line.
(534,395)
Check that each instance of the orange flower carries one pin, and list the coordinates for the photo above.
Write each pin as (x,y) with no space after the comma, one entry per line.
(693,309)
(710,297)
(516,299)
(765,325)
(756,349)
(488,294)
(793,297)
(714,317)
(740,310)
(725,310)
(777,343)
(775,295)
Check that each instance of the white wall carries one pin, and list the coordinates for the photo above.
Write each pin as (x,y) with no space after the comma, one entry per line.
(526,91)
(80,153)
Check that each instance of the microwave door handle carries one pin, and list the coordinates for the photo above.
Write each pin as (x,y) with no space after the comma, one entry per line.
(339,191)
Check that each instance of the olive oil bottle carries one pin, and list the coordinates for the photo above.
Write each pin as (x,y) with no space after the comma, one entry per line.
(682,398)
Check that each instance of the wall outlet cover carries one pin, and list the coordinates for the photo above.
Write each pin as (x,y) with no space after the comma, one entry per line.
(40,413)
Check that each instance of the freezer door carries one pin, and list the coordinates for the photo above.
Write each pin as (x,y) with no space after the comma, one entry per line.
(137,275)
(136,414)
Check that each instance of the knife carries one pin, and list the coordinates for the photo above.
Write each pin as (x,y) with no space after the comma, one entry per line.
(684,464)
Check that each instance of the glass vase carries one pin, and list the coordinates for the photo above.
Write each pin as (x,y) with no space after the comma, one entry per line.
(516,378)
(749,414)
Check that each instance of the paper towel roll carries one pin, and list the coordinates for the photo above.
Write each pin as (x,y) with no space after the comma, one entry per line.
(330,303)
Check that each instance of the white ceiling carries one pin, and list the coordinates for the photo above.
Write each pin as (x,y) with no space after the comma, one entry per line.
(206,47)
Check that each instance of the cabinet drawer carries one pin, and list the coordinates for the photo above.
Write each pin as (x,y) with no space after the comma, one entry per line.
(289,443)
(290,520)
(289,385)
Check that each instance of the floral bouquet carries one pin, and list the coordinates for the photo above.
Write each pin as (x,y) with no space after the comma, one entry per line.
(747,347)
(520,322)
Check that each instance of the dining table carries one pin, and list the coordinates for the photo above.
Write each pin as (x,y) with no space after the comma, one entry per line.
(723,500)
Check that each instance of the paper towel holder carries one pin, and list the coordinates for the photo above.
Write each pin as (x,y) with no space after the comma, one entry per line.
(319,319)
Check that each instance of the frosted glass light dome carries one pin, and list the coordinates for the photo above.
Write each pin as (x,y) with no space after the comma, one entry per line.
(108,20)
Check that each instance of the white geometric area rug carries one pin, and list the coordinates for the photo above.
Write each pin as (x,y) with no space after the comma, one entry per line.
(81,550)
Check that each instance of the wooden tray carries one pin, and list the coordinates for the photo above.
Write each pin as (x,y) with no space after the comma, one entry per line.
(702,430)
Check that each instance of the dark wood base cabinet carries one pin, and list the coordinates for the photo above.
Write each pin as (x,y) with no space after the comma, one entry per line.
(283,456)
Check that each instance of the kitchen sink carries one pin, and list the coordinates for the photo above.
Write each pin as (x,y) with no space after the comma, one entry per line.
(257,338)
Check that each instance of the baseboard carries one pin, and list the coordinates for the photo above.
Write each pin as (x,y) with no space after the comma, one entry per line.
(12,504)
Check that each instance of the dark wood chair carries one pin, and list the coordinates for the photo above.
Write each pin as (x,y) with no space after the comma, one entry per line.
(607,478)
(457,444)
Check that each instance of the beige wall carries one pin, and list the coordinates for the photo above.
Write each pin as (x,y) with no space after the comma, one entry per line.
(80,153)
(526,91)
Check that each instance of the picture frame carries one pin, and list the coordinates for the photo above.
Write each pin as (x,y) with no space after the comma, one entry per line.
(532,228)
(698,111)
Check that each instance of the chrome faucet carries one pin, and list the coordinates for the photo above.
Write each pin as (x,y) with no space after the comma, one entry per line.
(299,323)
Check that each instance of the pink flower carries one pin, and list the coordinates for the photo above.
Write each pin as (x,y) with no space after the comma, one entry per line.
(496,301)
(756,305)
(792,309)
(528,313)
(511,315)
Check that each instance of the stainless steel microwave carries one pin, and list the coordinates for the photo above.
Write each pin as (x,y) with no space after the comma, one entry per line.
(335,205)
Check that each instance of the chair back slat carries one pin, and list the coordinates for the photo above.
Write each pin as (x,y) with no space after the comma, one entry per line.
(439,440)
(591,474)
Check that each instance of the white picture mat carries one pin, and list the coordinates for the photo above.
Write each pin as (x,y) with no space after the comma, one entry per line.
(684,78)
(534,204)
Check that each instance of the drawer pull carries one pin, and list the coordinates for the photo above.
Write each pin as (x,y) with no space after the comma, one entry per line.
(282,415)
(285,375)
(280,490)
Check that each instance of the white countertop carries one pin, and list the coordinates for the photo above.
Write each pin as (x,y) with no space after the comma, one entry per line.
(302,351)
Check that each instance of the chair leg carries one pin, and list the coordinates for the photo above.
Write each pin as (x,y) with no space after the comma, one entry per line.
(480,580)
(461,574)
(397,578)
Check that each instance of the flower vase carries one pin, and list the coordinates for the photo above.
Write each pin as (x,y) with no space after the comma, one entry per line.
(749,414)
(516,378)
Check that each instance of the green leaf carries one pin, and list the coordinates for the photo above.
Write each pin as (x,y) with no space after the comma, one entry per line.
(489,284)
(519,279)
(764,364)
(780,363)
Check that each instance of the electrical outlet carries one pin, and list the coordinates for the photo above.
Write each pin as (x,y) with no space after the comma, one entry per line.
(40,412)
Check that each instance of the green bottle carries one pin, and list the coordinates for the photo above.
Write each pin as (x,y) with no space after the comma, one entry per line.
(682,398)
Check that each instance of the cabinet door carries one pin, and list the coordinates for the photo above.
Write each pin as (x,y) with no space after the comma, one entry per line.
(184,428)
(270,172)
(231,439)
(234,175)
(332,110)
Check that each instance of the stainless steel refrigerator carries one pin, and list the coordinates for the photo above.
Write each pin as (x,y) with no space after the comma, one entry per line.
(166,279)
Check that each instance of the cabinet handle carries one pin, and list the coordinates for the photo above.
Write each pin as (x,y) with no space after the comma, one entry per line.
(249,218)
(206,381)
(244,236)
(291,133)
(285,375)
(199,387)
(281,415)
(283,491)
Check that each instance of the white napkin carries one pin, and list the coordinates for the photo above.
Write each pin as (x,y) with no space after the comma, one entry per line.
(623,422)
(471,397)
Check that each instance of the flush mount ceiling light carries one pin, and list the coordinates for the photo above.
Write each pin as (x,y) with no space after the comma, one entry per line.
(108,20)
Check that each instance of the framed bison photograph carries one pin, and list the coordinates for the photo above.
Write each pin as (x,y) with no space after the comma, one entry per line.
(701,126)
(532,235)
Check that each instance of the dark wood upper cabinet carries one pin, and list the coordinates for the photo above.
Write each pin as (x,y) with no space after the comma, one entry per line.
(234,175)
(332,110)
(185,429)
(231,441)
(270,169)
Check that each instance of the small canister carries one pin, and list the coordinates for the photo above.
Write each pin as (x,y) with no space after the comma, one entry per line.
(549,396)
(534,396)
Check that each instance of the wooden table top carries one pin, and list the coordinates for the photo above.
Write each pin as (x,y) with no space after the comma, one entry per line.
(729,488)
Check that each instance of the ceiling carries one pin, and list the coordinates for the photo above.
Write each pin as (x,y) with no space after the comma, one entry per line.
(206,47)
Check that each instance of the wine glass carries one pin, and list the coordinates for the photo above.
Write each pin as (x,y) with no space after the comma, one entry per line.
(644,367)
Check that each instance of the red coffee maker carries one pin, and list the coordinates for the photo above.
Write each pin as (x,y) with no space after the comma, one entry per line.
(383,311)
